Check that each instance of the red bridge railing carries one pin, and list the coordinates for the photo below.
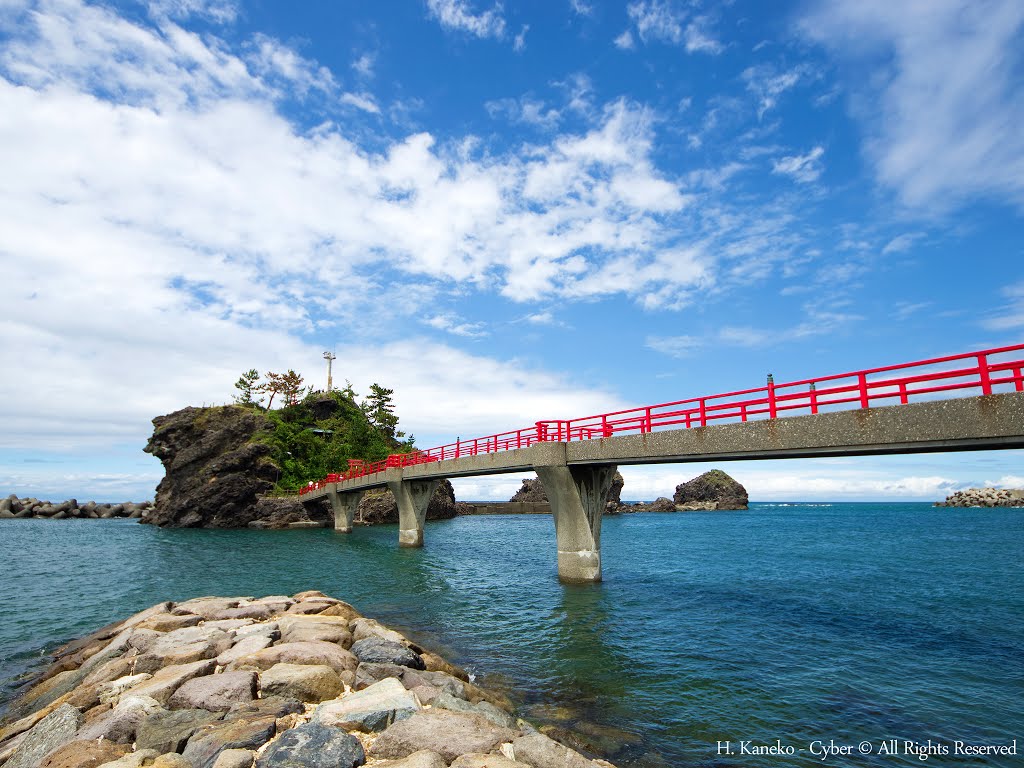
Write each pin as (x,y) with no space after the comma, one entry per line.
(985,373)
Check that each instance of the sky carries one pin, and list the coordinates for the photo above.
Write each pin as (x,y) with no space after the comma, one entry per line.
(503,211)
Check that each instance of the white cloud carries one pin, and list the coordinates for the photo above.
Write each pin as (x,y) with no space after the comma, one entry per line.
(674,346)
(364,64)
(625,41)
(902,243)
(363,101)
(1011,314)
(581,8)
(525,110)
(666,22)
(453,324)
(768,84)
(218,11)
(802,168)
(519,42)
(936,85)
(457,15)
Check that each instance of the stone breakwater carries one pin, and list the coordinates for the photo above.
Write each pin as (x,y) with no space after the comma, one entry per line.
(295,682)
(13,507)
(985,497)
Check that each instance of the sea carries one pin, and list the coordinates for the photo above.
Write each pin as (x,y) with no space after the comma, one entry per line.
(867,634)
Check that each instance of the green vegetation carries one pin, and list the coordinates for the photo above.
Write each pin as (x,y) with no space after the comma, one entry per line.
(317,434)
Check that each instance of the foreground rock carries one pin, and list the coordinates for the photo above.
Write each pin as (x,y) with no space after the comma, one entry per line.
(985,497)
(15,508)
(276,682)
(713,487)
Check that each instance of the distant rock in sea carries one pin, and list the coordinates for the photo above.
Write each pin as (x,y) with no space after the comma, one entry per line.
(985,497)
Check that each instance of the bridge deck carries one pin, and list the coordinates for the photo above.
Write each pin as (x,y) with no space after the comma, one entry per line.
(963,424)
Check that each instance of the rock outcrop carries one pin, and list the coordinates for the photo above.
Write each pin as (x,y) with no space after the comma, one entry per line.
(379,506)
(364,695)
(533,491)
(214,472)
(985,497)
(712,490)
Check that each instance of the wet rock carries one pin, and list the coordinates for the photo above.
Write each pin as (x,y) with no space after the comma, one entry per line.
(372,709)
(307,682)
(168,731)
(450,734)
(376,650)
(364,628)
(541,751)
(215,693)
(52,732)
(313,745)
(445,700)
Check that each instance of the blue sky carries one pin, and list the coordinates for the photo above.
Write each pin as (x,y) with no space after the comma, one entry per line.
(505,212)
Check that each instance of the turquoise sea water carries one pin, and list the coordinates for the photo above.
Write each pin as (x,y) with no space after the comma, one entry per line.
(843,623)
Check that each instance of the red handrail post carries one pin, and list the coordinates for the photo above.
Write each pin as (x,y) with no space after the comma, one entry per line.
(986,382)
(606,431)
(703,413)
(904,399)
(458,445)
(647,421)
(862,387)
(772,411)
(1018,380)
(814,398)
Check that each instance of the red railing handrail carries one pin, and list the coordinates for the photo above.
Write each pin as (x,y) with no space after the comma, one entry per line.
(699,411)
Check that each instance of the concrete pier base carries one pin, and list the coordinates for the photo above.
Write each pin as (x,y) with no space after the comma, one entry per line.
(412,497)
(344,507)
(578,495)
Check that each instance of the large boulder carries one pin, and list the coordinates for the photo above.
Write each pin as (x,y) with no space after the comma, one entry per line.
(371,709)
(713,486)
(379,506)
(313,745)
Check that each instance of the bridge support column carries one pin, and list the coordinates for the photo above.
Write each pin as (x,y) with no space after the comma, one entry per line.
(412,497)
(577,495)
(344,507)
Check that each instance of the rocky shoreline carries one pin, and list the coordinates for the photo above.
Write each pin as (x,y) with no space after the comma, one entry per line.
(985,497)
(13,507)
(300,681)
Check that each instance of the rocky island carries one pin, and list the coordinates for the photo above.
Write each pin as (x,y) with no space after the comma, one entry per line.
(301,681)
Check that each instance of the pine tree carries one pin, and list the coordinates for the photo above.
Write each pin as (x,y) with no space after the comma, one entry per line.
(380,409)
(246,386)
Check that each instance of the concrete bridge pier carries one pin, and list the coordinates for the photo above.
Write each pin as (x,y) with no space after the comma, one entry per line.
(577,495)
(344,507)
(412,497)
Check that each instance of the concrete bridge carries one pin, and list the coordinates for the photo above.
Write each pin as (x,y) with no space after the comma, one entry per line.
(577,459)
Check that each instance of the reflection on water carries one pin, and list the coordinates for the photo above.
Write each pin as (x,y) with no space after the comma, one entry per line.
(796,623)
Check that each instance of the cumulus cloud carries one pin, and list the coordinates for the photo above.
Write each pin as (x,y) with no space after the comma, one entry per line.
(937,88)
